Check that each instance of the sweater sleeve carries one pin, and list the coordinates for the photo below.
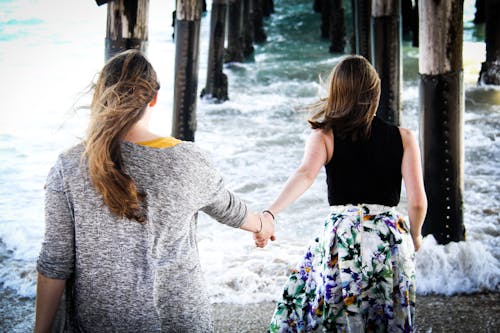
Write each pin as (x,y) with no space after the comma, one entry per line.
(56,259)
(221,204)
(226,207)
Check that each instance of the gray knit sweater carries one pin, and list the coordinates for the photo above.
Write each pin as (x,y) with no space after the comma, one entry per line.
(127,277)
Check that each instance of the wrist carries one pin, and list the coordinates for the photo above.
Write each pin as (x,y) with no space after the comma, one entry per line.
(270,213)
(261,225)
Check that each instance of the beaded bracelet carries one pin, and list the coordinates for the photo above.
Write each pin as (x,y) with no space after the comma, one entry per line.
(270,213)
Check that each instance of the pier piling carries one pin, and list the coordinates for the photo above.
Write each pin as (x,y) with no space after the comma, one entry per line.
(337,27)
(216,86)
(127,26)
(247,28)
(386,56)
(234,50)
(490,69)
(187,33)
(361,12)
(258,22)
(442,107)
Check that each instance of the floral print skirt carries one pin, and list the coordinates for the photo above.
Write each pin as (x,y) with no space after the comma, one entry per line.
(357,276)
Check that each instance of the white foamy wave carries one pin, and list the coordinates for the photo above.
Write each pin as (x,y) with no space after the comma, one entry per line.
(458,267)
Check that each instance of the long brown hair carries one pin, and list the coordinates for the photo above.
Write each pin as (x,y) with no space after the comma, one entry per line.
(353,96)
(123,90)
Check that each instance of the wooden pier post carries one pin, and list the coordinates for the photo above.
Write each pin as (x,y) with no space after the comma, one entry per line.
(127,26)
(247,28)
(187,33)
(325,8)
(386,56)
(216,86)
(234,51)
(442,107)
(268,7)
(337,27)
(259,34)
(490,69)
(361,12)
(409,14)
(480,14)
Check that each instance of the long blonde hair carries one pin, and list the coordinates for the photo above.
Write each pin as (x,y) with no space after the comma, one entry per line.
(353,97)
(124,88)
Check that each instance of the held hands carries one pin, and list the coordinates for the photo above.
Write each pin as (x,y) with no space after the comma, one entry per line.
(267,232)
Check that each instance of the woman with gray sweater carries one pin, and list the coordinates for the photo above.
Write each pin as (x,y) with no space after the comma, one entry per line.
(121,212)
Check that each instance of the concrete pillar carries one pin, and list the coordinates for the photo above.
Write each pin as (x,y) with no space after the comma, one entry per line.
(127,26)
(187,33)
(216,86)
(442,107)
(490,69)
(234,51)
(361,12)
(386,56)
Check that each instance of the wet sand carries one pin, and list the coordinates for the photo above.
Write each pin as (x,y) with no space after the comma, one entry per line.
(464,313)
(461,313)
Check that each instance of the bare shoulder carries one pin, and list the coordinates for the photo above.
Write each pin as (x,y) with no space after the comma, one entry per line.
(407,136)
(325,139)
(321,134)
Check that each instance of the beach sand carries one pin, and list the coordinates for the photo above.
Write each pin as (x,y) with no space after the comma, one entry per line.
(462,313)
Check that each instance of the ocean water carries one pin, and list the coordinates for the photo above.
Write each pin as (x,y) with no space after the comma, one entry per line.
(49,55)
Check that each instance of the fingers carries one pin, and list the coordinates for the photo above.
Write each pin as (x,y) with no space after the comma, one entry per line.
(267,233)
(261,244)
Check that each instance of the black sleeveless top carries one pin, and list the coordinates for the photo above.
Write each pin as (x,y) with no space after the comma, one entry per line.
(367,171)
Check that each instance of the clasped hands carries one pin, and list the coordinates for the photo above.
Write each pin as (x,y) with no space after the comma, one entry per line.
(267,233)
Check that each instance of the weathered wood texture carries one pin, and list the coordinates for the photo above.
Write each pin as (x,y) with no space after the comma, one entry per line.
(386,56)
(127,26)
(440,35)
(189,10)
(187,33)
(442,107)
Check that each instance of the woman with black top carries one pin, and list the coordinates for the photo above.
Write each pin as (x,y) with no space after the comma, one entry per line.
(359,274)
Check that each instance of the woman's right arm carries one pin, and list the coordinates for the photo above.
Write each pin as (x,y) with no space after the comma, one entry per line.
(411,170)
(48,297)
(56,260)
